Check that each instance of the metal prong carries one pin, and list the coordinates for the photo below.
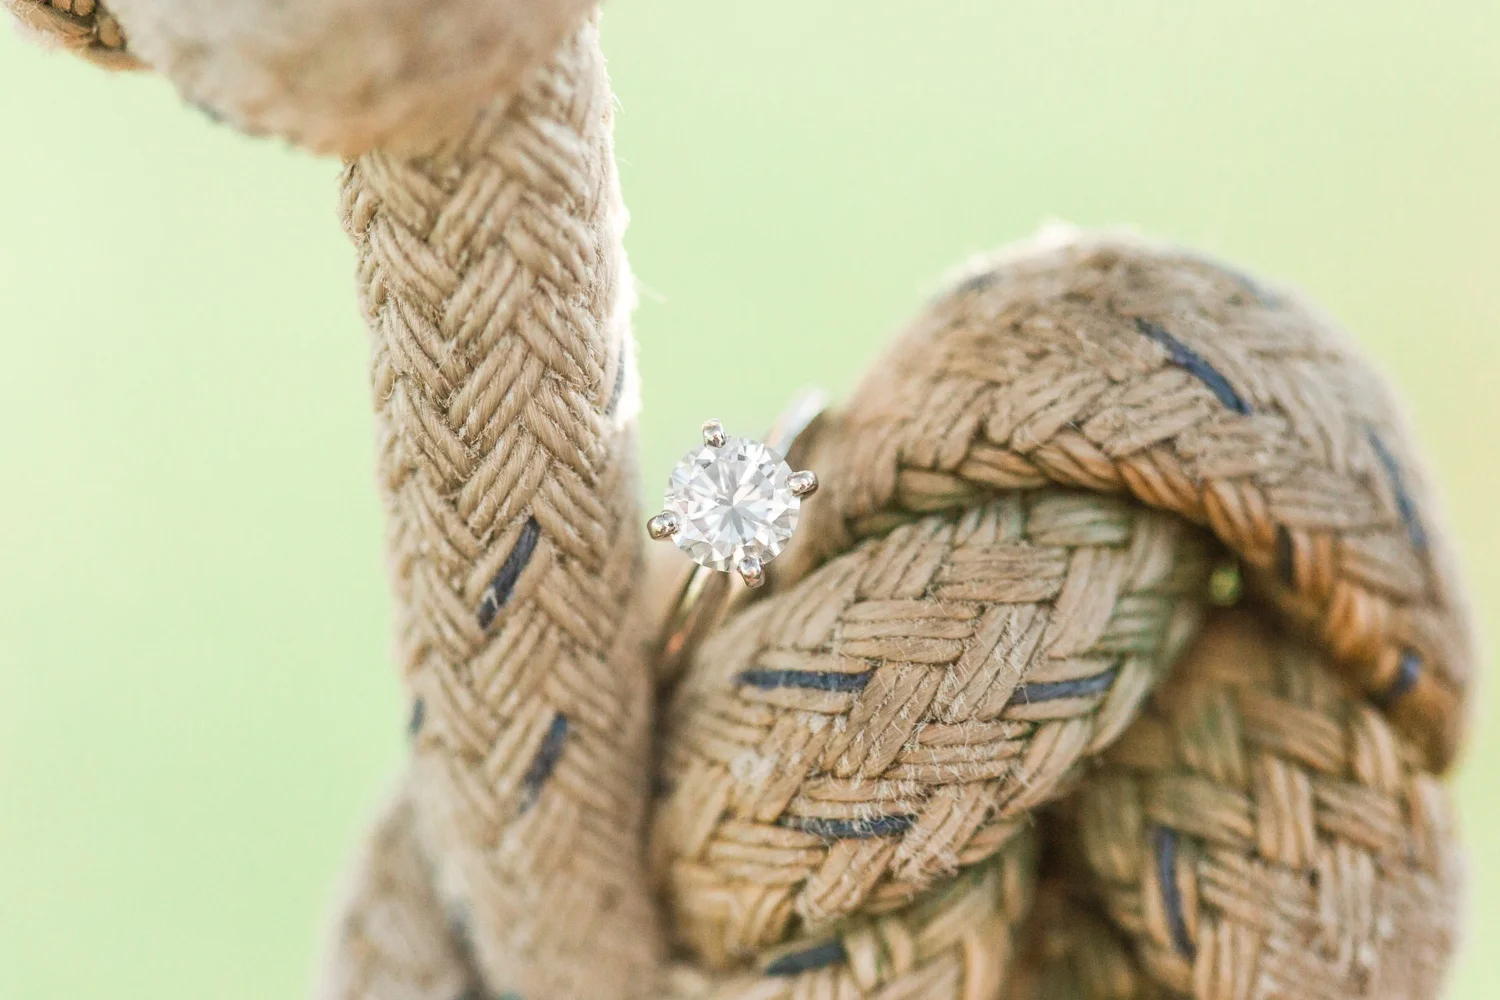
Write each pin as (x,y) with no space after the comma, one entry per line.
(751,572)
(803,484)
(713,433)
(663,525)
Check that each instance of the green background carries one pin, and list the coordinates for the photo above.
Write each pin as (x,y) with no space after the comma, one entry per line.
(197,705)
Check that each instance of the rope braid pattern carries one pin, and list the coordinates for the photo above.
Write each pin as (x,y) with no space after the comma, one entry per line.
(1002,567)
(81,26)
(341,77)
(1005,561)
(1068,949)
(900,712)
(806,730)
(497,297)
(977,611)
(1262,833)
(956,941)
(1158,375)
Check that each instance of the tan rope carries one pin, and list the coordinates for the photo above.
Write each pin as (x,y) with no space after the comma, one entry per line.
(1069,951)
(1158,375)
(1308,851)
(348,76)
(82,26)
(1000,569)
(936,759)
(333,76)
(394,941)
(956,647)
(899,713)
(497,298)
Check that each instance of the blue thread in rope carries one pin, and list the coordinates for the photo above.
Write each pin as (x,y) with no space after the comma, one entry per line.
(1407,673)
(816,957)
(811,680)
(1171,895)
(1194,364)
(1079,687)
(500,588)
(1405,506)
(545,761)
(849,829)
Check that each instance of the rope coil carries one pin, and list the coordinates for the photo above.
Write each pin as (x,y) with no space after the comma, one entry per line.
(982,735)
(941,757)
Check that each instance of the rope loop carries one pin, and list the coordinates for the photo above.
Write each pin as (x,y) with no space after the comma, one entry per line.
(988,733)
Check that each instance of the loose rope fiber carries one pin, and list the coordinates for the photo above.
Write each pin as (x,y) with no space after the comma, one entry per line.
(982,736)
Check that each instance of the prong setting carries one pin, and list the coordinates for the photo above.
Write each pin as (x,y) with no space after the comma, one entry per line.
(803,484)
(732,503)
(752,572)
(663,525)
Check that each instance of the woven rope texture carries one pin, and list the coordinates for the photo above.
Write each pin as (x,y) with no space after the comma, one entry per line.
(1260,832)
(981,736)
(899,713)
(497,298)
(1022,507)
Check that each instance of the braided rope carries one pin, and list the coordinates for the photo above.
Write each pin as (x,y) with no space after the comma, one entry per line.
(349,76)
(82,26)
(333,76)
(899,713)
(1158,375)
(957,941)
(1069,951)
(970,637)
(978,610)
(394,939)
(1260,832)
(495,289)
(1003,566)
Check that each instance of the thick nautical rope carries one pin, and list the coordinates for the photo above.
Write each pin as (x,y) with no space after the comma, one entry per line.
(497,296)
(1261,830)
(82,26)
(1021,508)
(1088,365)
(899,713)
(1153,374)
(938,757)
(333,76)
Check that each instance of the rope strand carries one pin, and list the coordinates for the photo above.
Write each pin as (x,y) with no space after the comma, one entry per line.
(497,296)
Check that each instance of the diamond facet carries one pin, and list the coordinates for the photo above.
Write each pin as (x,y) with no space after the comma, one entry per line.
(732,501)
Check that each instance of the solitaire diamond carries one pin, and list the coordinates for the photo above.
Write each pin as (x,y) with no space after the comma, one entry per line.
(733,503)
(730,503)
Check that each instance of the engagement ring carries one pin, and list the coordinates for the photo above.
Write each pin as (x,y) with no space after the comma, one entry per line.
(732,504)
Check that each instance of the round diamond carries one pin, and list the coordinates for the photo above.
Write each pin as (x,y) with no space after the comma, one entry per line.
(733,501)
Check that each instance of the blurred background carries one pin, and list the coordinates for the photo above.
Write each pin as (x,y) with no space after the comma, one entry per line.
(197,706)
